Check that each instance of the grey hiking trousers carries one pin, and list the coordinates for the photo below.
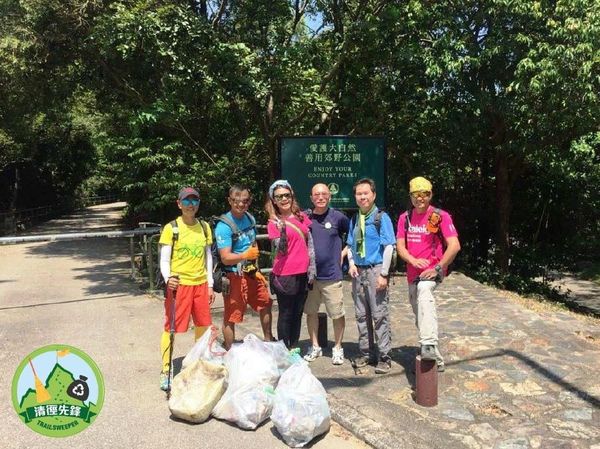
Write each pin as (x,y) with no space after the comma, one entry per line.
(372,313)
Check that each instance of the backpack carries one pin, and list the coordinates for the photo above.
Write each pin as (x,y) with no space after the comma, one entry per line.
(377,223)
(160,281)
(218,265)
(438,233)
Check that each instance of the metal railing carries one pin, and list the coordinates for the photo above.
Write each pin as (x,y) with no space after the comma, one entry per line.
(144,252)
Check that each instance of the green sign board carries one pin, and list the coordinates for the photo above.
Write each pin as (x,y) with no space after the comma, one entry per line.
(338,161)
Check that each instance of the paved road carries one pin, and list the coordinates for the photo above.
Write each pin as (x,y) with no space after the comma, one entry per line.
(80,294)
(516,378)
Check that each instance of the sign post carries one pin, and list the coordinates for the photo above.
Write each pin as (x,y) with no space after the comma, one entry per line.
(338,161)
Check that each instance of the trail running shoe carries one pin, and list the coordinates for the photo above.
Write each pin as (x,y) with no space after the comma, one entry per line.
(313,353)
(361,361)
(164,381)
(383,367)
(337,356)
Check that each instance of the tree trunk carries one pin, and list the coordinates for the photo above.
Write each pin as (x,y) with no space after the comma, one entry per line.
(15,190)
(503,210)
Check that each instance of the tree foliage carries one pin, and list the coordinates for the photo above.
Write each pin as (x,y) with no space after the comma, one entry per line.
(496,102)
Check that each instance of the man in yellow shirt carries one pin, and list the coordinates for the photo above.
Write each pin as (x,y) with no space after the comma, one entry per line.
(186,266)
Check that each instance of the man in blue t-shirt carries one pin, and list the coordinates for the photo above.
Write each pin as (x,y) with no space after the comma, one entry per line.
(328,229)
(370,255)
(235,234)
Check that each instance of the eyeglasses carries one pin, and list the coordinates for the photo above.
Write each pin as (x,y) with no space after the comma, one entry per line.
(420,194)
(244,201)
(190,202)
(282,196)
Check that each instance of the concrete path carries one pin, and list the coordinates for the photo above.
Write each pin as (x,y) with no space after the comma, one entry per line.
(79,293)
(585,295)
(515,378)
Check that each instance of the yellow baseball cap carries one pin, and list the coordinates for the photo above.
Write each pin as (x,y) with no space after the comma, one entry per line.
(419,184)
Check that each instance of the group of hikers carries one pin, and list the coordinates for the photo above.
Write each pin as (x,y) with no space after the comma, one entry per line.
(309,250)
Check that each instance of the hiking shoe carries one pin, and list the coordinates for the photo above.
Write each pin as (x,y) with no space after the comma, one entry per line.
(383,367)
(337,356)
(361,361)
(164,381)
(313,353)
(428,352)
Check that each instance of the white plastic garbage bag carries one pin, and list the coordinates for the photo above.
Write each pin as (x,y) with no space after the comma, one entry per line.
(281,354)
(300,409)
(196,390)
(253,373)
(250,363)
(247,406)
(206,348)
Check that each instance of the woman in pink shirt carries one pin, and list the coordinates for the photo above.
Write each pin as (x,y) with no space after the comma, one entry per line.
(293,267)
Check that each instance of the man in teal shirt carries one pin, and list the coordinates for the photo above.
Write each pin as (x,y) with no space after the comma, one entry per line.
(235,234)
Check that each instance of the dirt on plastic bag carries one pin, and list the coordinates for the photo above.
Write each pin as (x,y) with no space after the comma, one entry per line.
(196,390)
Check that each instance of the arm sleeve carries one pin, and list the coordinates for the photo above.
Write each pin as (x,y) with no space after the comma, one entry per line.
(350,255)
(387,259)
(165,261)
(209,267)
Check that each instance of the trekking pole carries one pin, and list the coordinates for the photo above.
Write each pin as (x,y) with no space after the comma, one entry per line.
(171,338)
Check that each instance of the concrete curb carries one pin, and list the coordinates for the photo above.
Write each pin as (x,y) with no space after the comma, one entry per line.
(370,431)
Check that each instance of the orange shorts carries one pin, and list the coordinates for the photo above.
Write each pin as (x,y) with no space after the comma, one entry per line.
(190,300)
(245,290)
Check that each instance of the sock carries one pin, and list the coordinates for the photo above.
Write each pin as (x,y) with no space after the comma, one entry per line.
(199,331)
(164,350)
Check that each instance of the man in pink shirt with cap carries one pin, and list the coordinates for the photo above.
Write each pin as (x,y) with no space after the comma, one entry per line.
(427,241)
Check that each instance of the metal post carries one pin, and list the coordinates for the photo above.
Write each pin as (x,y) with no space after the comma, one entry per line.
(322,330)
(426,382)
(132,256)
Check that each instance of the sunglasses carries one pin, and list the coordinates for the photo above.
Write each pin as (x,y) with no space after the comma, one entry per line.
(420,194)
(190,202)
(282,196)
(244,201)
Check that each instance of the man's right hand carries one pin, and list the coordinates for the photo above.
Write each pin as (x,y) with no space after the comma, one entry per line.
(173,283)
(353,271)
(251,253)
(419,263)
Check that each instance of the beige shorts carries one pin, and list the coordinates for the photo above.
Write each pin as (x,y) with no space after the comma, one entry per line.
(329,292)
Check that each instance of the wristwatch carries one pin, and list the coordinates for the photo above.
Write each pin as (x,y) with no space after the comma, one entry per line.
(438,268)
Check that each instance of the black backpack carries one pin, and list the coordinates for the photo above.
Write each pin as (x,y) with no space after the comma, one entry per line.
(218,265)
(160,282)
(377,223)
